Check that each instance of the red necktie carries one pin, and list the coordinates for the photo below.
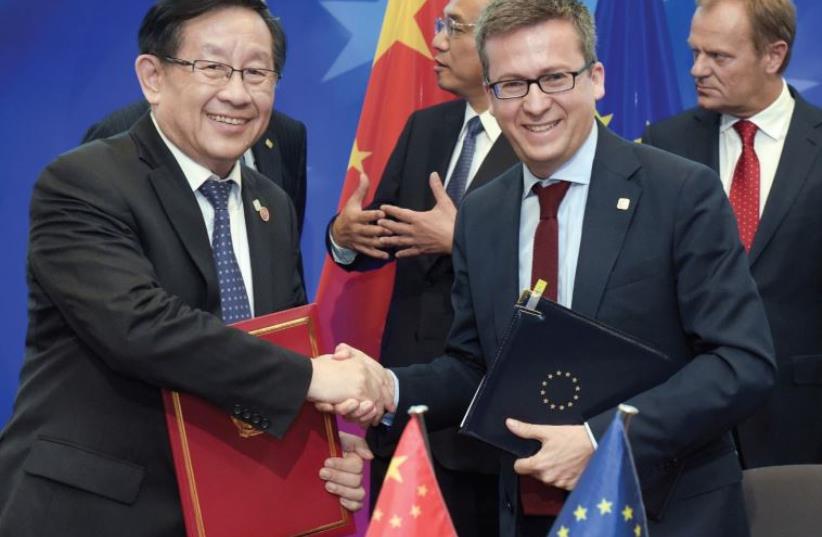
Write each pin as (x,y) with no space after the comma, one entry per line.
(537,498)
(744,193)
(546,239)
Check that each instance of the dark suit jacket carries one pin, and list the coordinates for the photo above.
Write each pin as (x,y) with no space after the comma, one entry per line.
(786,262)
(669,270)
(280,154)
(123,301)
(420,312)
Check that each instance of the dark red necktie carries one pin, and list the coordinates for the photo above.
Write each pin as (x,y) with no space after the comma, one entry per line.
(537,498)
(744,193)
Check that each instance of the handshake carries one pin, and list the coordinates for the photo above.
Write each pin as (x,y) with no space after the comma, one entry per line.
(351,384)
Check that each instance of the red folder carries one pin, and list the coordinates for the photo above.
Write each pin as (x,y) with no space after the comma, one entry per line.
(235,480)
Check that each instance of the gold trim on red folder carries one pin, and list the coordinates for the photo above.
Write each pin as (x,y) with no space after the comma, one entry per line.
(329,431)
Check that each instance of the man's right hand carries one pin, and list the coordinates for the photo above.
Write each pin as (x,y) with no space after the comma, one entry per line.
(356,229)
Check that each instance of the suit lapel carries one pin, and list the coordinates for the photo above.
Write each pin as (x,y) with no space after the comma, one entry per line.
(704,144)
(268,159)
(177,199)
(499,159)
(260,243)
(503,237)
(604,225)
(442,147)
(801,149)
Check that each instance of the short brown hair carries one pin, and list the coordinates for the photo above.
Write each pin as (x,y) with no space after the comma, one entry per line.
(503,16)
(771,21)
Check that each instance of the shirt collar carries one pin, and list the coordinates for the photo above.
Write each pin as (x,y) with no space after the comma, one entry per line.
(196,174)
(773,120)
(489,122)
(576,170)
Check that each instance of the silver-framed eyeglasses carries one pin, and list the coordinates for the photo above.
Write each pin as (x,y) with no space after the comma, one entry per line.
(221,73)
(451,26)
(550,83)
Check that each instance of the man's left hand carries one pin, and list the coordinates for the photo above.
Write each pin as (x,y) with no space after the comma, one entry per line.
(421,232)
(563,456)
(343,475)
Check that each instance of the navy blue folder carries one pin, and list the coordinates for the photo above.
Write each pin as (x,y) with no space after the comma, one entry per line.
(557,367)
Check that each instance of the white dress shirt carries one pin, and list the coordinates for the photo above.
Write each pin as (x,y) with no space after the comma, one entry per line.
(196,175)
(571,213)
(772,124)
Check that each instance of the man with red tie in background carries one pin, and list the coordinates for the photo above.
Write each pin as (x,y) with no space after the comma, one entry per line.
(765,142)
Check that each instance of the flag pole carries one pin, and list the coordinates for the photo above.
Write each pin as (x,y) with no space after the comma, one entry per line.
(626,412)
(417,412)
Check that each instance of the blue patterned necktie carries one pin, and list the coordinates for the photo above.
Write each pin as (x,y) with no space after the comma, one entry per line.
(233,296)
(459,177)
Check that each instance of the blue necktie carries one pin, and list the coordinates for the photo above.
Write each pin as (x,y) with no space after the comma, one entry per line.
(459,177)
(233,296)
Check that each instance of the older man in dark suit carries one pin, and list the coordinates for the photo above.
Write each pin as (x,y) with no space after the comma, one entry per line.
(142,247)
(749,119)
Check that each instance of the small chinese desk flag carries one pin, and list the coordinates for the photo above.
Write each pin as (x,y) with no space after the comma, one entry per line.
(410,502)
(606,501)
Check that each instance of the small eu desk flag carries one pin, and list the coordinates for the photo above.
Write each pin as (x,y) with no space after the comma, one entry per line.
(606,501)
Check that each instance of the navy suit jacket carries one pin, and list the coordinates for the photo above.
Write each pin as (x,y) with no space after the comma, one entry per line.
(786,263)
(123,301)
(669,270)
(420,312)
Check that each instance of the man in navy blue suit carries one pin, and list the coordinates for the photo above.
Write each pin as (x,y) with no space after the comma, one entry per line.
(741,50)
(645,242)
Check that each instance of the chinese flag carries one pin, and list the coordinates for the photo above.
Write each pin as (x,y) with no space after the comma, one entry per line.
(353,306)
(410,503)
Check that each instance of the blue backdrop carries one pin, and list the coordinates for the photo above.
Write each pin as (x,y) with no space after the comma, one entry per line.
(67,64)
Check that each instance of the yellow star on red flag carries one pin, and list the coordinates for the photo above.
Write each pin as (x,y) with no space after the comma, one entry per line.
(394,468)
(400,26)
(357,157)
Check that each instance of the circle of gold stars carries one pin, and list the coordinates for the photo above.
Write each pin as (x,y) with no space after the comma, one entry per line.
(559,376)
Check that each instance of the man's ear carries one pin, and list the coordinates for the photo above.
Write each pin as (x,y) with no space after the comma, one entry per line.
(775,56)
(150,74)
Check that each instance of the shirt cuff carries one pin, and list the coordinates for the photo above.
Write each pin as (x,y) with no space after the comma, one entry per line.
(341,255)
(591,436)
(388,417)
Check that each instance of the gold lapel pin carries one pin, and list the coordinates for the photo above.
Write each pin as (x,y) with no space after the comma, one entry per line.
(265,215)
(268,143)
(623,204)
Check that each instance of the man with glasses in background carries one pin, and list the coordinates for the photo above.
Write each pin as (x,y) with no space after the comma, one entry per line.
(143,248)
(632,236)
(443,152)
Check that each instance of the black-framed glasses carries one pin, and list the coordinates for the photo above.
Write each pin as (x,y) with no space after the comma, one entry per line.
(451,26)
(221,73)
(550,83)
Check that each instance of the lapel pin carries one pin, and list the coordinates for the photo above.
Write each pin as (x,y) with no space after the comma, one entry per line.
(265,215)
(268,143)
(623,204)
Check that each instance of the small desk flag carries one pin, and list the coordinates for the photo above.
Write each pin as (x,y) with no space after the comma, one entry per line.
(410,502)
(607,501)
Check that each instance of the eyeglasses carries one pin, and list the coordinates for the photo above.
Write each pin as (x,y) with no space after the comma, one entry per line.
(451,26)
(550,83)
(221,73)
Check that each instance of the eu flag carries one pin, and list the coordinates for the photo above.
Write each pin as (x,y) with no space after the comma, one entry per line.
(640,81)
(606,501)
